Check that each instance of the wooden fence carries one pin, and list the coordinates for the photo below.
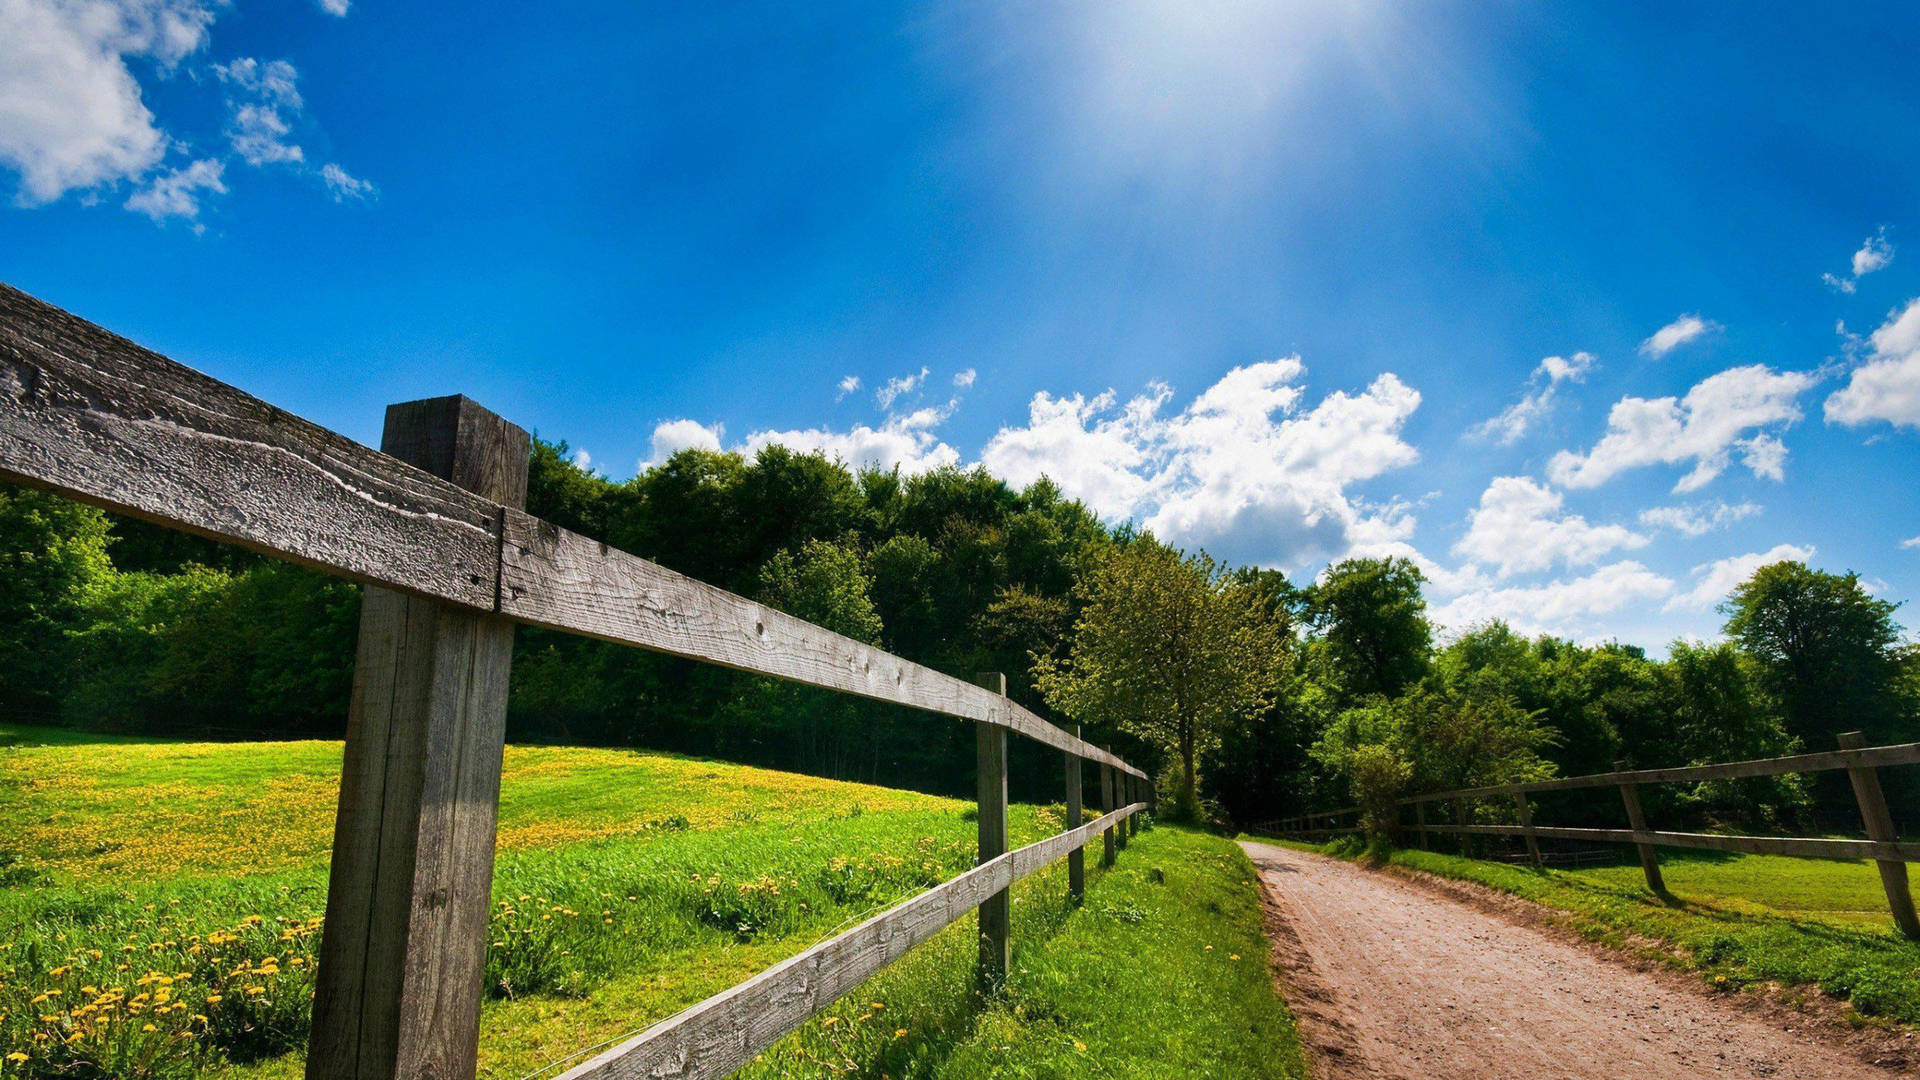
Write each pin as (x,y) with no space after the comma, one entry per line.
(1861,762)
(433,526)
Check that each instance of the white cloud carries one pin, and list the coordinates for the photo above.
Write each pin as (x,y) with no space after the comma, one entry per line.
(1699,519)
(344,186)
(1730,411)
(1874,254)
(1244,471)
(177,193)
(261,97)
(1715,580)
(1675,334)
(848,384)
(336,7)
(582,459)
(71,113)
(1567,607)
(73,117)
(896,388)
(1887,386)
(1513,421)
(906,441)
(964,379)
(258,134)
(275,82)
(1519,528)
(1913,542)
(672,436)
(1103,460)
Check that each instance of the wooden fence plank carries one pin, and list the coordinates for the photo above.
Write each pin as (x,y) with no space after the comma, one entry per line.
(1873,757)
(98,418)
(1637,820)
(996,911)
(725,1031)
(1106,809)
(564,581)
(1880,826)
(95,417)
(1526,827)
(1804,847)
(404,945)
(1077,858)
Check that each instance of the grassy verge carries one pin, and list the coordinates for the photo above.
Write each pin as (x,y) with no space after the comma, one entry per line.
(162,909)
(1738,920)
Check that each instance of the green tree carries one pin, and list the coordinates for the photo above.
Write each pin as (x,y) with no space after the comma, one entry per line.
(1373,619)
(1829,649)
(1721,712)
(53,555)
(1166,648)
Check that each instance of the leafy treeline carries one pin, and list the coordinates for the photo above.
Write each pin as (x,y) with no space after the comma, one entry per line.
(1254,696)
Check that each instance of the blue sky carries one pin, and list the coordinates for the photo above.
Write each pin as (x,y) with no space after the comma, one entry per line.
(1588,308)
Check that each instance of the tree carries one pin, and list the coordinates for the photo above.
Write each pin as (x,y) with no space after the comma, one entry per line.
(1165,648)
(1373,618)
(53,554)
(1720,712)
(1831,652)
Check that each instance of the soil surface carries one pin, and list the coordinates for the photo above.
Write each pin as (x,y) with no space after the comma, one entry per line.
(1391,980)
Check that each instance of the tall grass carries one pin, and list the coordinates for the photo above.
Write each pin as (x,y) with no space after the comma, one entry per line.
(163,908)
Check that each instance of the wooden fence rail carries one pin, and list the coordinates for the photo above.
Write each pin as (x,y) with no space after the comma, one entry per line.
(433,524)
(1861,763)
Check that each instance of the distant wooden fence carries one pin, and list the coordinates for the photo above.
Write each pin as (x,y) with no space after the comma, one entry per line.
(1862,763)
(433,526)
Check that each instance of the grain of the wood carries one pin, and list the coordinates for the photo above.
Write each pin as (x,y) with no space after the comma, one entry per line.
(1106,808)
(403,950)
(996,911)
(1872,757)
(564,581)
(1077,858)
(725,1031)
(1526,825)
(1637,821)
(95,417)
(1881,827)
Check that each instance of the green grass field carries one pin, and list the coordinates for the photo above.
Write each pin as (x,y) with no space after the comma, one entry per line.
(1738,920)
(160,918)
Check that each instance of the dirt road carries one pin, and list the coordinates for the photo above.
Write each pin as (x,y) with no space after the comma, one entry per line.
(1394,981)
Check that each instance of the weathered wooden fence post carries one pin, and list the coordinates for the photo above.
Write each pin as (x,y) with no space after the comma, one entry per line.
(1637,821)
(1106,807)
(996,914)
(1120,800)
(1420,821)
(1460,819)
(403,948)
(1880,826)
(1077,858)
(1526,828)
(1133,796)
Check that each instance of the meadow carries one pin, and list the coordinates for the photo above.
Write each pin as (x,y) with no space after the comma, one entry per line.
(1736,920)
(162,907)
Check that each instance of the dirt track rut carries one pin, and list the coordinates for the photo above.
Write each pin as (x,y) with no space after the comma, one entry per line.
(1394,981)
